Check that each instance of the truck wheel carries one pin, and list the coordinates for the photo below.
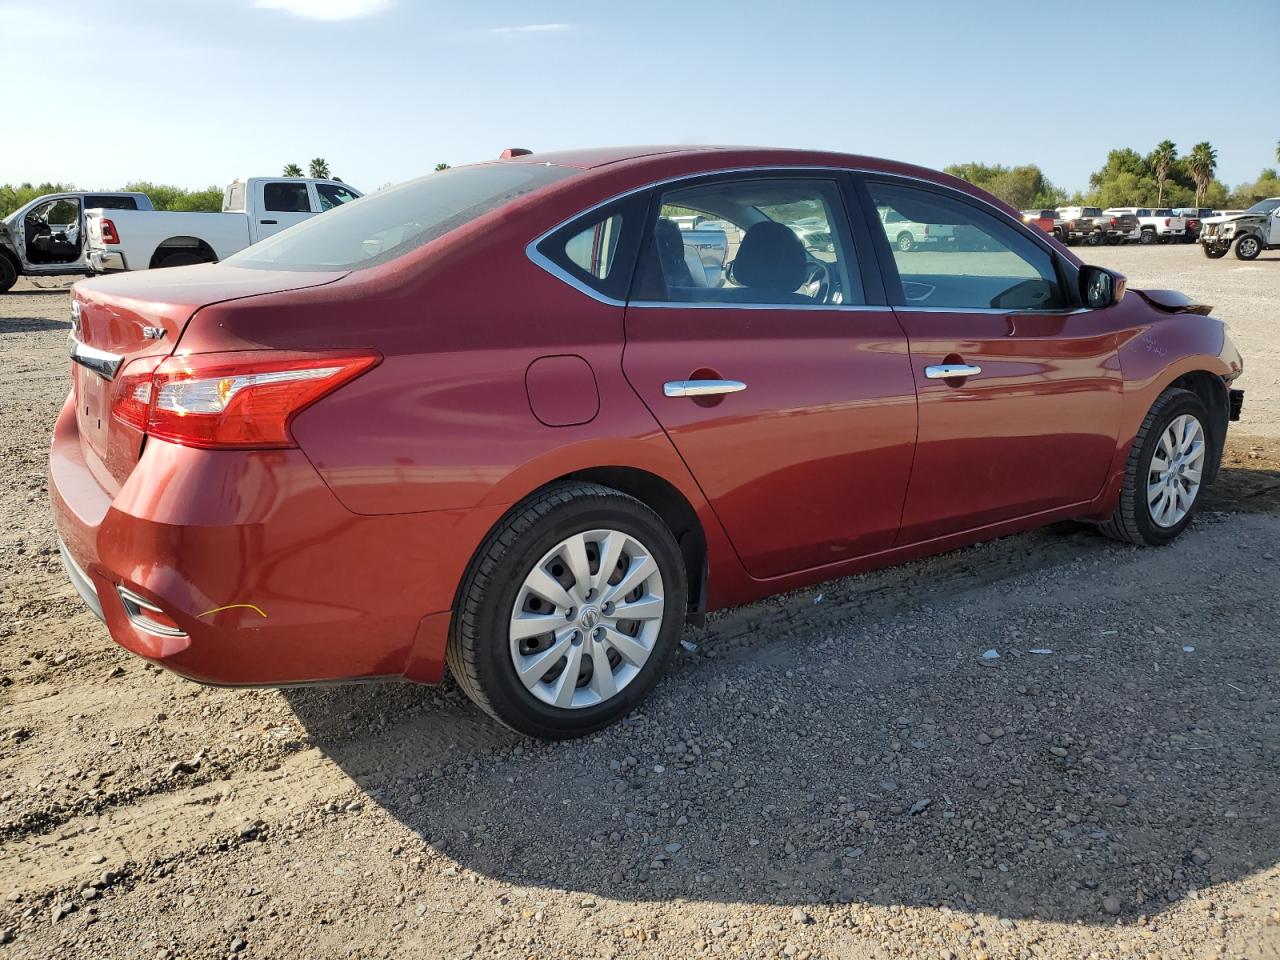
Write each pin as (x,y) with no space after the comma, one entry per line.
(1148,236)
(1213,253)
(8,273)
(906,242)
(1095,239)
(181,259)
(1248,247)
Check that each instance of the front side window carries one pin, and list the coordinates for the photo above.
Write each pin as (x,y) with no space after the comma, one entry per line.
(286,198)
(331,195)
(962,256)
(391,222)
(761,241)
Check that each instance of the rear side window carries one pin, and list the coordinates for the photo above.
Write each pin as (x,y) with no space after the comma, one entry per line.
(954,254)
(594,249)
(391,222)
(234,201)
(597,251)
(110,203)
(286,198)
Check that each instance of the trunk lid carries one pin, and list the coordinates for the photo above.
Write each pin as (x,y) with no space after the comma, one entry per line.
(120,320)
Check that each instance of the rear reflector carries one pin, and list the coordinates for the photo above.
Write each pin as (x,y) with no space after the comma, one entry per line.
(146,616)
(109,234)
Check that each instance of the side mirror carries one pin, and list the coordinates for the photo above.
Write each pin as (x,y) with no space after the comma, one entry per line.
(1100,287)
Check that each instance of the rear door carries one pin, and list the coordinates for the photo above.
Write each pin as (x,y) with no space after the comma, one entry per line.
(783,380)
(281,204)
(1019,389)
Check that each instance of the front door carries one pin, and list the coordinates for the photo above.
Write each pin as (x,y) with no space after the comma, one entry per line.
(1019,390)
(789,397)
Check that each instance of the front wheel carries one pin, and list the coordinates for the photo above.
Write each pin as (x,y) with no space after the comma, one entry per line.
(1213,252)
(1165,472)
(1094,239)
(1248,247)
(1148,237)
(570,612)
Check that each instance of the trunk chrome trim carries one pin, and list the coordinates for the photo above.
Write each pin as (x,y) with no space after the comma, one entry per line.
(104,364)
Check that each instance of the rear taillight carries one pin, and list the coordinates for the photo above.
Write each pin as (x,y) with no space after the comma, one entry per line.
(229,399)
(926,229)
(131,392)
(1168,221)
(1113,221)
(109,234)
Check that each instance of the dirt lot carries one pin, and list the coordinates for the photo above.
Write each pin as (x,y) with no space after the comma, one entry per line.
(834,773)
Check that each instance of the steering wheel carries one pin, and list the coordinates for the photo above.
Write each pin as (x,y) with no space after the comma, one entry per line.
(817,281)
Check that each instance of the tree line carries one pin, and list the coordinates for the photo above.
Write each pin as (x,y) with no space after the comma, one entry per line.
(1161,178)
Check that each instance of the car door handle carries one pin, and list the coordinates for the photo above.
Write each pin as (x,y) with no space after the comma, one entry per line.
(701,388)
(272,222)
(949,371)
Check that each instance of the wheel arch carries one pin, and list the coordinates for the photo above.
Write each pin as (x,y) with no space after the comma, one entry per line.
(182,244)
(1212,391)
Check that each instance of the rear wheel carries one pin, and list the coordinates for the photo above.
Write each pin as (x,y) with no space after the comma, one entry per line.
(1094,239)
(906,242)
(1248,247)
(8,273)
(1148,236)
(182,258)
(1164,475)
(570,612)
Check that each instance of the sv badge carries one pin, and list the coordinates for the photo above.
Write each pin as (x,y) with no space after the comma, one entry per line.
(153,333)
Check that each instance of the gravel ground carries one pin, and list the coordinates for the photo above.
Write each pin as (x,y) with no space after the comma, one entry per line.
(836,773)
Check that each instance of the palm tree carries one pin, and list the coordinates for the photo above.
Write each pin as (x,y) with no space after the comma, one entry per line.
(1201,163)
(320,168)
(1162,159)
(441,166)
(292,170)
(1278,151)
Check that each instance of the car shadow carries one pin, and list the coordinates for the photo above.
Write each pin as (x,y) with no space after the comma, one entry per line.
(849,745)
(32,324)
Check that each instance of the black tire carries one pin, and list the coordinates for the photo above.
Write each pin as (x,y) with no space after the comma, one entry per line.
(8,273)
(1248,247)
(1213,253)
(1148,236)
(1132,521)
(905,242)
(1094,239)
(182,258)
(478,653)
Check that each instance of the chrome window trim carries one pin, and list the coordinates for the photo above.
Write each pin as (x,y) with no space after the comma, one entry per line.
(534,255)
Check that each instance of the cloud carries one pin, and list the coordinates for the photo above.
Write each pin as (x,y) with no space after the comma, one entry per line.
(526,29)
(327,9)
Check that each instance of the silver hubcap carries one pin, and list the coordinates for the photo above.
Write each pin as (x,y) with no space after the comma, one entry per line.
(586,619)
(1248,245)
(1173,479)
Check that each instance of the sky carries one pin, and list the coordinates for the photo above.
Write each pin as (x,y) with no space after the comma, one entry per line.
(198,92)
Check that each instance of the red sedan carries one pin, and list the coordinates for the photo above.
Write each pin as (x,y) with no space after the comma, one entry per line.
(527,417)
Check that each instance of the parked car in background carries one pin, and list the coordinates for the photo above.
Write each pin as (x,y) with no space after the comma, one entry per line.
(1046,220)
(1194,217)
(1082,224)
(523,440)
(252,209)
(1252,231)
(1157,225)
(907,235)
(46,236)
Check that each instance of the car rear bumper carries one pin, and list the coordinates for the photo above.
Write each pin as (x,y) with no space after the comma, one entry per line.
(241,567)
(106,261)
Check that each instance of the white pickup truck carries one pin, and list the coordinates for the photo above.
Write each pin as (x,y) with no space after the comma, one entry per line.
(1155,225)
(252,209)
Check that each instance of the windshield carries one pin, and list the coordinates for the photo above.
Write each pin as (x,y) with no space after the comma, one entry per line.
(384,225)
(1264,206)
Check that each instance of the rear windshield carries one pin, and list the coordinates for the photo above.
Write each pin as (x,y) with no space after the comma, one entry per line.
(384,225)
(92,202)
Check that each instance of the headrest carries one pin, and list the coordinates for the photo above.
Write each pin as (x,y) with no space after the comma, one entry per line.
(771,258)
